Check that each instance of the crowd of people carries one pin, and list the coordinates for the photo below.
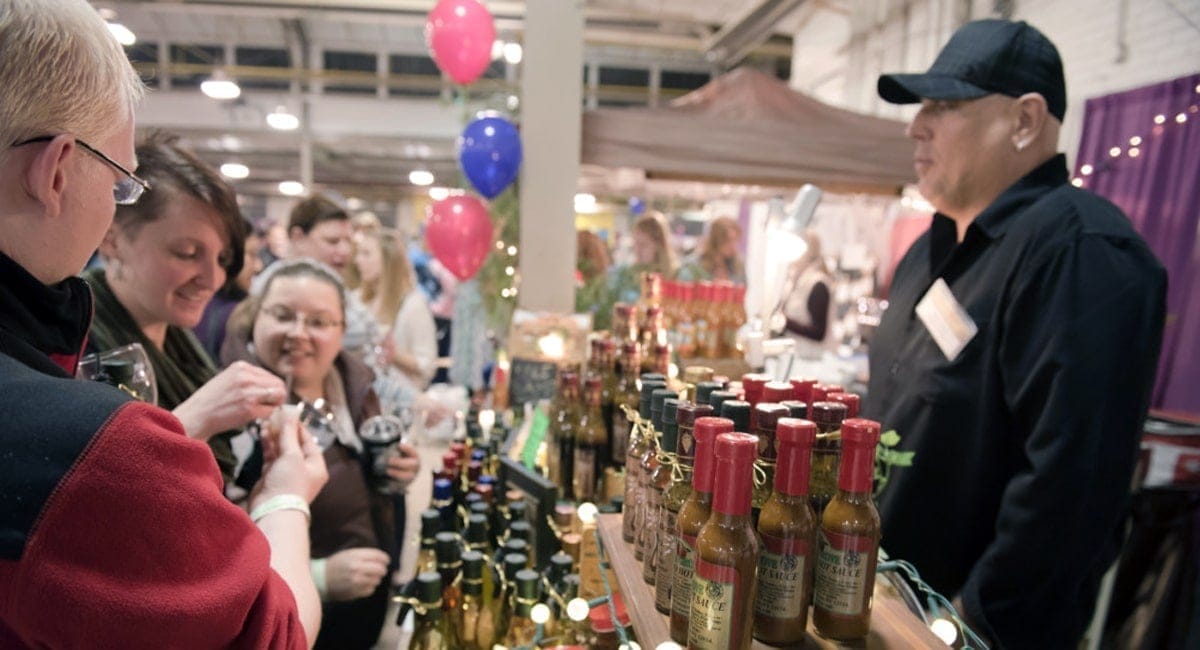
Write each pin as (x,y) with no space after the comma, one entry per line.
(1016,358)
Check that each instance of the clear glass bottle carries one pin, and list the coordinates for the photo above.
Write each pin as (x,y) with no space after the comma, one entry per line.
(626,395)
(727,549)
(432,630)
(521,628)
(478,631)
(845,573)
(788,530)
(647,517)
(431,525)
(674,496)
(659,481)
(638,445)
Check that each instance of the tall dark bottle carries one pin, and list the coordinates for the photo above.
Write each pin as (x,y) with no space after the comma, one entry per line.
(788,530)
(726,553)
(591,443)
(845,575)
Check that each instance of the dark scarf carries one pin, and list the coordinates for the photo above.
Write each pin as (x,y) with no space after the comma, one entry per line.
(42,326)
(180,368)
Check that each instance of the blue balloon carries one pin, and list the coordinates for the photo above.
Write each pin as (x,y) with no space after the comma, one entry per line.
(636,206)
(489,151)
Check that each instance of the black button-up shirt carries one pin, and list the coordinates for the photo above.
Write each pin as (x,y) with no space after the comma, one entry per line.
(1024,442)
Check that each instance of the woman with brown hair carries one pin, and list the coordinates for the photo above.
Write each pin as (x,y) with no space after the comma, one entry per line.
(651,254)
(716,257)
(165,256)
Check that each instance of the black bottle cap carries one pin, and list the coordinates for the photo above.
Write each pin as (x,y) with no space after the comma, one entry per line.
(796,409)
(514,562)
(719,397)
(739,412)
(705,389)
(528,583)
(431,523)
(657,398)
(520,529)
(560,566)
(472,565)
(429,587)
(448,547)
(648,388)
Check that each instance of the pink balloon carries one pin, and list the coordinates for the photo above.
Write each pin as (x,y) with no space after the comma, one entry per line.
(459,234)
(460,34)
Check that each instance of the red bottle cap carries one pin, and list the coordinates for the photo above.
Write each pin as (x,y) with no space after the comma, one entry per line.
(803,388)
(775,392)
(460,449)
(706,431)
(733,479)
(857,471)
(753,385)
(849,399)
(795,439)
(450,461)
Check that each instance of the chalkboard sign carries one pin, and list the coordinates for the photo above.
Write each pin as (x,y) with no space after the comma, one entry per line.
(540,496)
(530,381)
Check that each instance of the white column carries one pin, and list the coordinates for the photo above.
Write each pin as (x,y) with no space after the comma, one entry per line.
(551,101)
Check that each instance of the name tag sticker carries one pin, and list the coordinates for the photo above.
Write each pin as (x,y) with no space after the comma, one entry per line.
(948,323)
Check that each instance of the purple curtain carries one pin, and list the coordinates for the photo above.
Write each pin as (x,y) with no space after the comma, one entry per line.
(1141,150)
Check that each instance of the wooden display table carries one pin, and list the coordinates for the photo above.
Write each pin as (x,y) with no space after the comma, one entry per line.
(892,625)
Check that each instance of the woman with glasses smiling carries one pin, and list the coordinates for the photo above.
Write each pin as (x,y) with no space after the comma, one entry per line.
(296,328)
(165,256)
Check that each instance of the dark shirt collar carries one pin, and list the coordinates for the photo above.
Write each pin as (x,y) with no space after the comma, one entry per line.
(993,222)
(35,318)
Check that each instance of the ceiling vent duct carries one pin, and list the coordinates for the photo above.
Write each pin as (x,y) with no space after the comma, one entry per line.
(739,37)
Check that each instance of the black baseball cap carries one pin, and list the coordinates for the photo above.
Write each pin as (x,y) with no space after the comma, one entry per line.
(985,57)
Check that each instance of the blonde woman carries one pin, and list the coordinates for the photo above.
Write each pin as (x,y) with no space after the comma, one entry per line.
(387,286)
(652,254)
(716,257)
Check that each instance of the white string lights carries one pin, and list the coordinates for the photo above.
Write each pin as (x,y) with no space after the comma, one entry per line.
(1134,146)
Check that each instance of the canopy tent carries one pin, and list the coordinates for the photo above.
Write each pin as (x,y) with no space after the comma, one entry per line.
(748,127)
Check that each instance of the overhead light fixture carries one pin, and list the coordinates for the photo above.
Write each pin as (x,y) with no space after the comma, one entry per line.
(291,188)
(220,86)
(585,202)
(513,52)
(122,33)
(439,193)
(737,38)
(236,171)
(420,177)
(281,120)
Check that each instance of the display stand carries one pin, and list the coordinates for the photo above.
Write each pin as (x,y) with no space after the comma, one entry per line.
(893,626)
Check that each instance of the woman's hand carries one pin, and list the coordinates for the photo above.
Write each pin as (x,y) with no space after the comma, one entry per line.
(354,573)
(403,467)
(239,394)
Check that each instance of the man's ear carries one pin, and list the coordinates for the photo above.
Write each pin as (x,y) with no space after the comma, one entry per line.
(1031,116)
(46,177)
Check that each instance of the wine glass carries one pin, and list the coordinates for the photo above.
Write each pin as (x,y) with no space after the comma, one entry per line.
(127,368)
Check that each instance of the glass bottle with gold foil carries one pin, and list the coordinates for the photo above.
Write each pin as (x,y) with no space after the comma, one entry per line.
(432,630)
(822,485)
(647,518)
(590,443)
(626,395)
(638,445)
(845,574)
(479,624)
(431,525)
(766,416)
(449,557)
(727,548)
(659,481)
(692,516)
(522,629)
(788,531)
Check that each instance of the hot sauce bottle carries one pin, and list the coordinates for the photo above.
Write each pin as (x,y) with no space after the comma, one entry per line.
(693,515)
(845,573)
(822,484)
(673,499)
(660,480)
(766,416)
(638,445)
(788,529)
(851,401)
(726,553)
(647,517)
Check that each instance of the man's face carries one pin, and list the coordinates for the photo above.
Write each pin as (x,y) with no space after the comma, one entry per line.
(88,206)
(961,147)
(329,242)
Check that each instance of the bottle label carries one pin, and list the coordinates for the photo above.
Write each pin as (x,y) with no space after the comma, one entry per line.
(712,623)
(630,515)
(841,575)
(664,578)
(781,567)
(681,591)
(648,533)
(585,473)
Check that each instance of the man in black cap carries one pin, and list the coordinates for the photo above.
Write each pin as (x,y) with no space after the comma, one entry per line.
(1018,352)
